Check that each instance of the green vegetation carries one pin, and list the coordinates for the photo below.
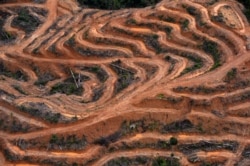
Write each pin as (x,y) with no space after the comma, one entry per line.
(71,41)
(125,161)
(184,24)
(246,3)
(211,48)
(173,141)
(67,87)
(198,63)
(42,111)
(26,21)
(4,35)
(19,89)
(117,4)
(160,96)
(9,123)
(150,40)
(43,78)
(191,10)
(171,61)
(70,142)
(101,74)
(196,66)
(167,18)
(163,161)
(50,117)
(53,139)
(231,75)
(125,75)
(131,21)
(18,75)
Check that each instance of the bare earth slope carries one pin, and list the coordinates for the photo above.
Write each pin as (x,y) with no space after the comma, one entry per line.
(82,86)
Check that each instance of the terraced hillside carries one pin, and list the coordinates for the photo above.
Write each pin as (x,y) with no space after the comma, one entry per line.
(167,84)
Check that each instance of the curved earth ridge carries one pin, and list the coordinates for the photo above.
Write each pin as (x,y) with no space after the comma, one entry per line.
(85,86)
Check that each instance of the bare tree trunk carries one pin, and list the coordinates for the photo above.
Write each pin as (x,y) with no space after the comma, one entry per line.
(73,76)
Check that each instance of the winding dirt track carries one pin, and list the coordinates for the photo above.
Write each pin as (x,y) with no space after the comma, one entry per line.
(145,75)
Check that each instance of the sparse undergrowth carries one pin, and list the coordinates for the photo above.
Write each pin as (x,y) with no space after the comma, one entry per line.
(26,21)
(144,160)
(11,124)
(42,111)
(69,87)
(211,48)
(15,74)
(125,75)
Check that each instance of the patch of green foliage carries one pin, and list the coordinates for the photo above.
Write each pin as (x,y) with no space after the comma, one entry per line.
(231,75)
(162,161)
(198,63)
(246,3)
(48,116)
(117,4)
(26,21)
(184,24)
(67,88)
(18,75)
(211,48)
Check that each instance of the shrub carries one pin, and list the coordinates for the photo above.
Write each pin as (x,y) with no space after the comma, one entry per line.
(26,21)
(211,48)
(173,141)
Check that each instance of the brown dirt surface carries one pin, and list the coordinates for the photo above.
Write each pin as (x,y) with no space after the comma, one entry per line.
(90,87)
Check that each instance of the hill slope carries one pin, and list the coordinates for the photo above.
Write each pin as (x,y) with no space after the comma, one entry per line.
(168,84)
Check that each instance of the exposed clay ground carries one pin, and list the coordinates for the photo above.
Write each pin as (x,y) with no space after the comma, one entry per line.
(96,87)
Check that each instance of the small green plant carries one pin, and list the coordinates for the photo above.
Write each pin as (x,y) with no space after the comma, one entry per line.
(67,87)
(71,41)
(160,96)
(53,139)
(185,24)
(26,21)
(168,30)
(155,36)
(211,48)
(131,21)
(173,141)
(200,127)
(231,75)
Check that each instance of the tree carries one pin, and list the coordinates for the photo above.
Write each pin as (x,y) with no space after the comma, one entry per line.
(173,141)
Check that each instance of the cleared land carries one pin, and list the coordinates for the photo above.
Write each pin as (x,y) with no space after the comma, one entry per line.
(167,84)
